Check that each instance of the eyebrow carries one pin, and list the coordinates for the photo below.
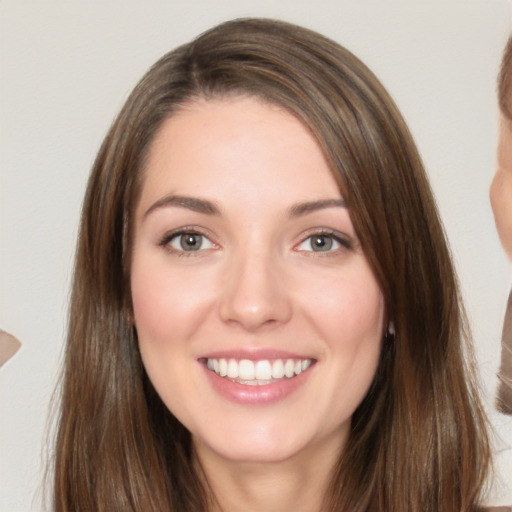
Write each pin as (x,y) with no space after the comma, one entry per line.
(209,208)
(300,209)
(191,203)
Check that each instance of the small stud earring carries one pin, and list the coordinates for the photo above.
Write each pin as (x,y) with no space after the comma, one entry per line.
(390,331)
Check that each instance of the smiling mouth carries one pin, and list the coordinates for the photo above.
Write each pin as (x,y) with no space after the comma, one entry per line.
(257,373)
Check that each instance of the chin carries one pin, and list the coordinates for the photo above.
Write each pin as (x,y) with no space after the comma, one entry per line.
(266,443)
(248,451)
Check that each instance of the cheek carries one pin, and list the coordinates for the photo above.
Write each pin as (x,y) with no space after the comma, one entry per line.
(168,305)
(349,310)
(348,315)
(355,344)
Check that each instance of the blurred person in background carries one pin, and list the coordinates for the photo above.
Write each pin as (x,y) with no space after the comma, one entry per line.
(501,201)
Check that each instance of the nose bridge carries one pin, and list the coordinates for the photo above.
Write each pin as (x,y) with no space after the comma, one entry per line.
(253,294)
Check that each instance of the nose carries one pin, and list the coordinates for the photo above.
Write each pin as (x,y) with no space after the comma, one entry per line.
(254,293)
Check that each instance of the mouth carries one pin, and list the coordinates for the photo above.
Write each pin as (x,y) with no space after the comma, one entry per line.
(257,373)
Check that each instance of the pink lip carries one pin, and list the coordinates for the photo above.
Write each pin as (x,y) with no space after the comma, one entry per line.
(256,395)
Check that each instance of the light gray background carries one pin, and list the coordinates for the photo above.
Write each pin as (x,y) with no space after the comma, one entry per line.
(67,67)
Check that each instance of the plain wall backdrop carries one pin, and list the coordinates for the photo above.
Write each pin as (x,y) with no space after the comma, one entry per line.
(67,67)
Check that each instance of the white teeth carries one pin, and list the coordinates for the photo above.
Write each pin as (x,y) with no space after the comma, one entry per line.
(232,369)
(289,368)
(278,369)
(305,364)
(223,367)
(263,370)
(246,370)
(257,373)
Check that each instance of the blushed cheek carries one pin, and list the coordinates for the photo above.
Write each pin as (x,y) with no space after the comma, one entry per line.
(370,305)
(359,350)
(351,311)
(367,333)
(168,305)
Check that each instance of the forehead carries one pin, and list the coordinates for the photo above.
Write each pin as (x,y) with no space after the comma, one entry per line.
(228,120)
(232,146)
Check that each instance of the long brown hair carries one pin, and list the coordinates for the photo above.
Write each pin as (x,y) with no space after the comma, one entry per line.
(418,440)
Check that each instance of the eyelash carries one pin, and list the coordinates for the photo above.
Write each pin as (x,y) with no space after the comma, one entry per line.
(344,242)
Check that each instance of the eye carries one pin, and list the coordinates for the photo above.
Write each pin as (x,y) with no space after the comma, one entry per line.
(322,242)
(187,241)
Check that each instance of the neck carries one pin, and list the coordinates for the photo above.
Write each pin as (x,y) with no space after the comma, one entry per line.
(299,483)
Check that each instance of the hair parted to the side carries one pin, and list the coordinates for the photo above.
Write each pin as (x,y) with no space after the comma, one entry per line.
(418,439)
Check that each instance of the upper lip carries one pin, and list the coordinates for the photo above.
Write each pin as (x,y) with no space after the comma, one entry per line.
(255,354)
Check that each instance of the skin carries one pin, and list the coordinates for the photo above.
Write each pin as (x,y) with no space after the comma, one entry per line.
(501,187)
(256,283)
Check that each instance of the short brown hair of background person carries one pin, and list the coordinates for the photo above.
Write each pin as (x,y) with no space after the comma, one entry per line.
(501,201)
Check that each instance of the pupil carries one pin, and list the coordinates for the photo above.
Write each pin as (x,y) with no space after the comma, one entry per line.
(190,241)
(322,243)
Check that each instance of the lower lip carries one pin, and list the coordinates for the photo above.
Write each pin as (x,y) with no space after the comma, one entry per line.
(256,395)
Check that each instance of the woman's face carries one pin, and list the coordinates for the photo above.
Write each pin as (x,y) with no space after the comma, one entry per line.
(259,319)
